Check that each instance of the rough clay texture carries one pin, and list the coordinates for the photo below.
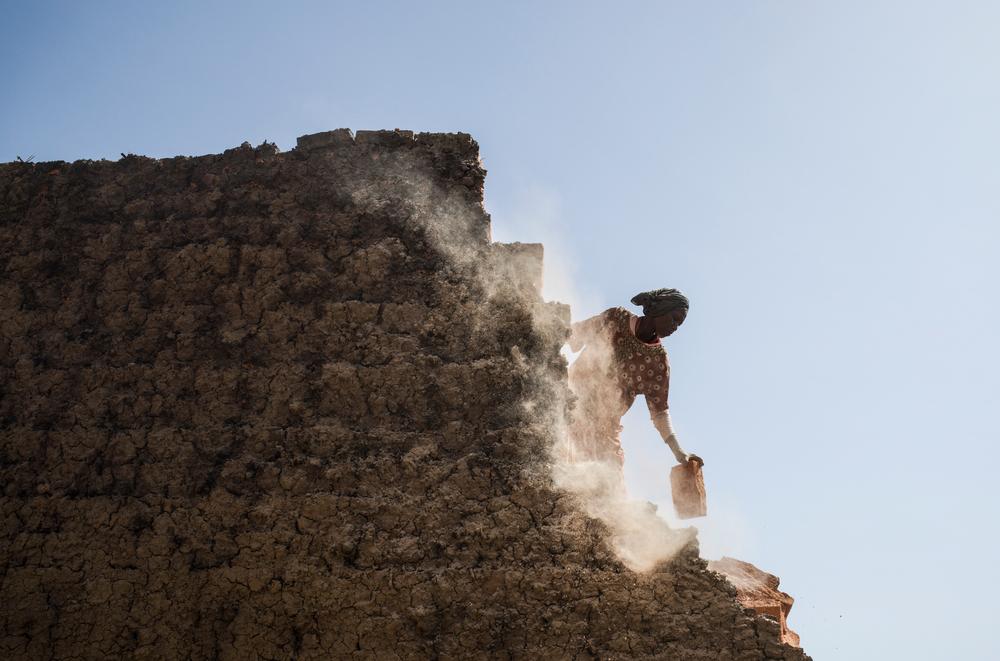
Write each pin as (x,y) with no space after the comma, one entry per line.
(758,590)
(298,406)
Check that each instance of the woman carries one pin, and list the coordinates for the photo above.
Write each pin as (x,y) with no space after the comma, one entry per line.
(623,357)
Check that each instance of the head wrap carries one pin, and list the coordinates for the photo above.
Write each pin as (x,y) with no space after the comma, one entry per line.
(660,301)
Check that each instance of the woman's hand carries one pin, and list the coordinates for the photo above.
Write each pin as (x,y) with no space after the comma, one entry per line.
(694,457)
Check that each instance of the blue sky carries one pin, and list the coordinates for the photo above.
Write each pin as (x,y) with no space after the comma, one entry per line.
(821,179)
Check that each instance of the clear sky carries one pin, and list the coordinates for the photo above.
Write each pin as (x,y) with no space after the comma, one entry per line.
(820,178)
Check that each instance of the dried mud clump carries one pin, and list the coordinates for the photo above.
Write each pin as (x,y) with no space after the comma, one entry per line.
(298,406)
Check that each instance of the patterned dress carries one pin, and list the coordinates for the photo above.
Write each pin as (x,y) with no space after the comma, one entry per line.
(613,369)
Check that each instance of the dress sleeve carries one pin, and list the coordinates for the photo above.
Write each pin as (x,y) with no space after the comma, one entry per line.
(656,404)
(656,398)
(586,331)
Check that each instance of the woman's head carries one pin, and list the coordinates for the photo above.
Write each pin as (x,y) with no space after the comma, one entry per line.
(667,308)
(666,324)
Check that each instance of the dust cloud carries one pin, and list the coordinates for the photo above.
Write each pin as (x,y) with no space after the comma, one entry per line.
(641,539)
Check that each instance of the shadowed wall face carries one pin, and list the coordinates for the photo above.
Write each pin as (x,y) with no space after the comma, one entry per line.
(298,405)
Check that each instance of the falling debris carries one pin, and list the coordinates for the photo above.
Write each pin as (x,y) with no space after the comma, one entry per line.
(687,483)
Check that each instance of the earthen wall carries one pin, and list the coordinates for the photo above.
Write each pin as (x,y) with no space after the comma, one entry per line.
(297,405)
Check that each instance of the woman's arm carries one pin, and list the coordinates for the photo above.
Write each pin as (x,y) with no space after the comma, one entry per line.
(663,424)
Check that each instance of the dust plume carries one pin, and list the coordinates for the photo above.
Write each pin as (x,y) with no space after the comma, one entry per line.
(640,538)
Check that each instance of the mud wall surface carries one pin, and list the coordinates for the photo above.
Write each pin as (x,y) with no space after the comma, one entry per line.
(296,405)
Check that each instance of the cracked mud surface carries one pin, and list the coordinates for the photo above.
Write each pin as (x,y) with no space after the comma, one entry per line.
(297,406)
